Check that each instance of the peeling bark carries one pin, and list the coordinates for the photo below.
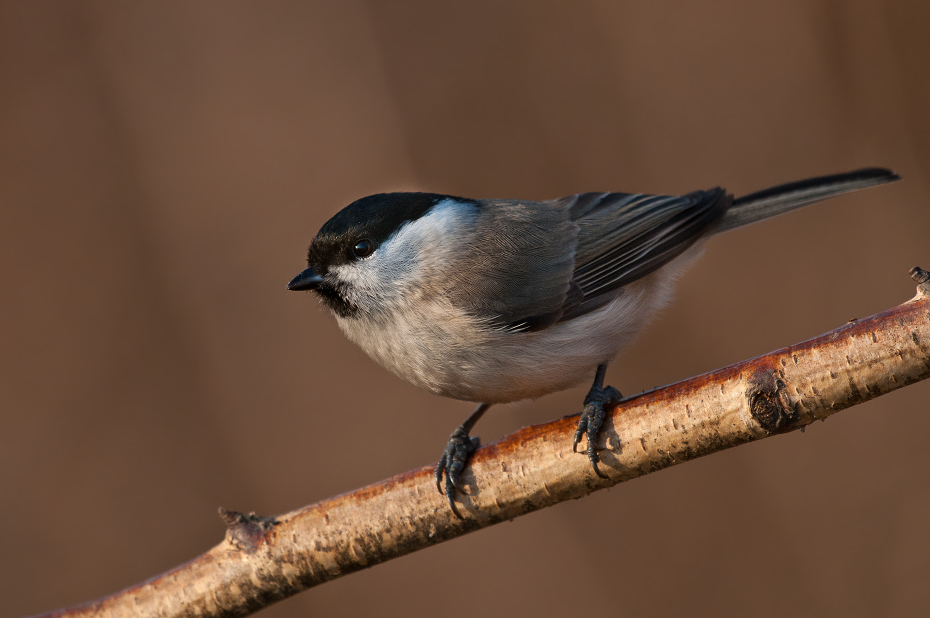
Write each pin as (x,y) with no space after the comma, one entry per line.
(263,559)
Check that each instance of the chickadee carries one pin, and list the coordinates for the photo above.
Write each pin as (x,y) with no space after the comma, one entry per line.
(496,301)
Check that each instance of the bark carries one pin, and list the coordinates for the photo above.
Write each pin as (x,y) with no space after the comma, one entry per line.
(266,559)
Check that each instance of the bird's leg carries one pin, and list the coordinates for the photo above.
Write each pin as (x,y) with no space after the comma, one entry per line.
(455,456)
(593,415)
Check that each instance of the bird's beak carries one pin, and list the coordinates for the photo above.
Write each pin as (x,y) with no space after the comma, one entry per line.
(307,280)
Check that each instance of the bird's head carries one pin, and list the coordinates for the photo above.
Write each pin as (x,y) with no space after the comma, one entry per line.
(380,247)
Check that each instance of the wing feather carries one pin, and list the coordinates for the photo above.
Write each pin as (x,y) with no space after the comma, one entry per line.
(564,258)
(520,280)
(623,237)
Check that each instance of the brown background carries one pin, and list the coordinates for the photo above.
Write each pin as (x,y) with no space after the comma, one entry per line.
(163,166)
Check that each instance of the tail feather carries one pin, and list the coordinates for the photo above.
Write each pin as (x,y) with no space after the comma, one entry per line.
(787,197)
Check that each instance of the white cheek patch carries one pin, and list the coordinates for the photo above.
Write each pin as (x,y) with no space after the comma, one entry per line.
(416,251)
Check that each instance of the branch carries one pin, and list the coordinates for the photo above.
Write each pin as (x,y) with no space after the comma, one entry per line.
(263,560)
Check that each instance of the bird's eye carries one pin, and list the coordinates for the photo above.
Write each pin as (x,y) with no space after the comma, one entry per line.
(363,248)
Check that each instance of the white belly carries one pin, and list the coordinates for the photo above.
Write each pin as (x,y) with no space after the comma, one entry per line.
(444,351)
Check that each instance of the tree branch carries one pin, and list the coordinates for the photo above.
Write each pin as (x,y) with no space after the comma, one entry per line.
(263,560)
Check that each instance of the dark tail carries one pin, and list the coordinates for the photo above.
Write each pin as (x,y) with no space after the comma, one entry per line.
(784,198)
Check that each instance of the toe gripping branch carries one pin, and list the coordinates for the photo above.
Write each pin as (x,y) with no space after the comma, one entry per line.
(599,398)
(455,456)
(461,445)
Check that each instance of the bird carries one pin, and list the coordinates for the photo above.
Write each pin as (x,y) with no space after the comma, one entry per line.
(499,300)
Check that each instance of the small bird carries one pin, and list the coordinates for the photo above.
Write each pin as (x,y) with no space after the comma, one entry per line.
(498,300)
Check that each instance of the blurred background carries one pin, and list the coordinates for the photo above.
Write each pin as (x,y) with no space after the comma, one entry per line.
(164,165)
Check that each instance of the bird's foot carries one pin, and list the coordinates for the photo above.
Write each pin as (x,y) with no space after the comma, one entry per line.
(452,462)
(592,417)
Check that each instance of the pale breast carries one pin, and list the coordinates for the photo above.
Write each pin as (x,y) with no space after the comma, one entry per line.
(439,349)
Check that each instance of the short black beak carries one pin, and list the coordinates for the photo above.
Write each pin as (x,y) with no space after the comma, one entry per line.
(307,280)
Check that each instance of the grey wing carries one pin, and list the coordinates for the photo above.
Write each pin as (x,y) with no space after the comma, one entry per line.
(623,237)
(517,272)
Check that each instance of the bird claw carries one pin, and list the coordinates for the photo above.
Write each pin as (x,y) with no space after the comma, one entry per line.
(592,418)
(452,463)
